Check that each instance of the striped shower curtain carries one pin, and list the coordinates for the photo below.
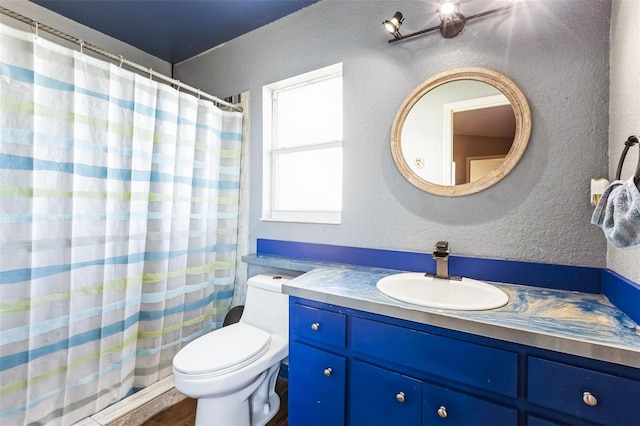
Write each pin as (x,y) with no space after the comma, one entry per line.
(118,228)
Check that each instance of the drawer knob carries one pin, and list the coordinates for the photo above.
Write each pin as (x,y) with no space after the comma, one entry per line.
(328,371)
(400,397)
(589,399)
(442,411)
(315,326)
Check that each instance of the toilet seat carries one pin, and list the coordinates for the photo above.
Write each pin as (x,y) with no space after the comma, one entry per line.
(222,351)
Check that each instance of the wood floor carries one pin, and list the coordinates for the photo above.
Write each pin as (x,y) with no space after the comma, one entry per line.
(184,412)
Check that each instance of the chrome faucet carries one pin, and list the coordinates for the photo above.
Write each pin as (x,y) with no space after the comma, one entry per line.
(441,256)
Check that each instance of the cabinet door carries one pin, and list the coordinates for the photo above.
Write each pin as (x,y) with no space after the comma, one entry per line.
(381,397)
(317,382)
(446,407)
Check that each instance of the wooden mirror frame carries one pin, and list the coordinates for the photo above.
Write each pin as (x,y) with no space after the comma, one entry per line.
(520,140)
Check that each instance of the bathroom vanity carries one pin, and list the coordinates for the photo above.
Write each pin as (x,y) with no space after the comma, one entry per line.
(548,357)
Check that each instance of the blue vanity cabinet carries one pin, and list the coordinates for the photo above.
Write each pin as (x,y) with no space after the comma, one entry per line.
(348,367)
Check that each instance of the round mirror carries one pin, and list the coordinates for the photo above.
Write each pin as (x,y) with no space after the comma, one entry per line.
(460,131)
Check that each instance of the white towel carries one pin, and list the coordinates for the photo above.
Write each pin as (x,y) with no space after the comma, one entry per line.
(618,214)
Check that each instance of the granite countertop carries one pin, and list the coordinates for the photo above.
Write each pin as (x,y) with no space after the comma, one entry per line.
(571,322)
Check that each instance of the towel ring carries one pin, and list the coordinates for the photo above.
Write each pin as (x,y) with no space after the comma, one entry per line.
(632,140)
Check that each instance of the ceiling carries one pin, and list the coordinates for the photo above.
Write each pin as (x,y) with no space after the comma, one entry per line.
(174,30)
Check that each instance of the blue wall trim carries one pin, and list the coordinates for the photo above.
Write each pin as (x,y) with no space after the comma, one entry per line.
(622,292)
(353,255)
(546,275)
(561,277)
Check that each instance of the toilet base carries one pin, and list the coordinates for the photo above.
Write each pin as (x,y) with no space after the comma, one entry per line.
(254,405)
(265,402)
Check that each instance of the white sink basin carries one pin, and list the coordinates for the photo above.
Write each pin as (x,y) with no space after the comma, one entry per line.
(465,295)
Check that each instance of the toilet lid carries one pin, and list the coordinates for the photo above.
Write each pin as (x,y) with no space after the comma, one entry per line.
(233,346)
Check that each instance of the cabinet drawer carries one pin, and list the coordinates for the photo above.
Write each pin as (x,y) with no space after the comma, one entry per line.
(317,383)
(446,407)
(487,368)
(563,388)
(381,397)
(318,324)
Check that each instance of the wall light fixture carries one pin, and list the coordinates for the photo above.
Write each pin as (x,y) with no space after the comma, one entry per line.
(452,21)
(393,25)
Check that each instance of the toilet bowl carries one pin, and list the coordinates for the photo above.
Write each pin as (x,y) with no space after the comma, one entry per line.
(232,371)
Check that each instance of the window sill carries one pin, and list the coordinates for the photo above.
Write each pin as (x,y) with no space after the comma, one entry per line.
(300,220)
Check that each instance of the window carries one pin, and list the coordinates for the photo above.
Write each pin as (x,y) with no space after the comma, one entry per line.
(303,148)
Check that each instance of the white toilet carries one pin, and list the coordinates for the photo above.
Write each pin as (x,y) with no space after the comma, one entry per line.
(232,371)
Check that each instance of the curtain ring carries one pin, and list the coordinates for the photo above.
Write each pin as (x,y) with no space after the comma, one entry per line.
(178,85)
(150,73)
(36,26)
(81,42)
(121,61)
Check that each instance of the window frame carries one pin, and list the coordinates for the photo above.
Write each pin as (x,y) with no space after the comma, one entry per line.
(271,152)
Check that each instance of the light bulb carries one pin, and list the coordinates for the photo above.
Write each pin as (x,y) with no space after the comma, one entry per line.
(447,8)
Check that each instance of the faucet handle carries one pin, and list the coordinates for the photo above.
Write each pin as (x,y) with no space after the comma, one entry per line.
(442,245)
(442,249)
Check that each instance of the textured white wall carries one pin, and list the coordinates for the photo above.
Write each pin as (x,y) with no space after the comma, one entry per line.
(624,112)
(557,51)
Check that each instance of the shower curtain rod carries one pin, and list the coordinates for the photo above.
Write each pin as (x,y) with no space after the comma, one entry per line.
(118,58)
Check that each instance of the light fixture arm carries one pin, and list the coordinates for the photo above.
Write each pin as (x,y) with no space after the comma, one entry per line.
(417,33)
(462,19)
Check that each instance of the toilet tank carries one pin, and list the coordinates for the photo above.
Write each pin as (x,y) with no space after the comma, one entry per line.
(266,306)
